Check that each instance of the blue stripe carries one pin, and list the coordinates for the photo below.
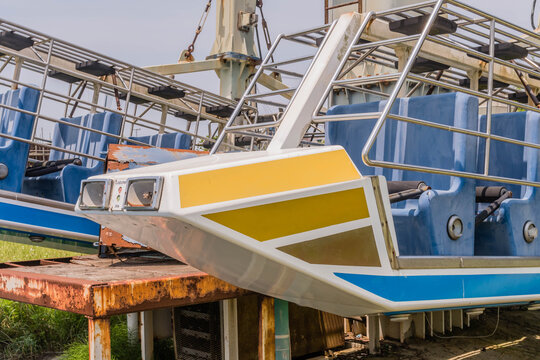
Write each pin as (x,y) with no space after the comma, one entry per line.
(47,219)
(443,287)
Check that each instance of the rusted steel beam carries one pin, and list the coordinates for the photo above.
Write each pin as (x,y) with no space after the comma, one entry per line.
(139,295)
(47,290)
(99,299)
(99,339)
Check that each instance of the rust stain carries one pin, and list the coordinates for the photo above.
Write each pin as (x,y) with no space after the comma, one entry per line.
(119,159)
(47,290)
(114,298)
(103,299)
(99,339)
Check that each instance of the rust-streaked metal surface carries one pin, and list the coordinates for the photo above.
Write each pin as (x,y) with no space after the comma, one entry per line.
(124,157)
(99,288)
(99,339)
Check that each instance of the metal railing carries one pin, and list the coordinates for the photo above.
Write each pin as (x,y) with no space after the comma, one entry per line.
(124,92)
(474,28)
(378,46)
(244,119)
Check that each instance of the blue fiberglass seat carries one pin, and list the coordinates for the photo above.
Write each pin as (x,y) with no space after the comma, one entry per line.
(352,135)
(421,224)
(14,154)
(65,184)
(167,141)
(502,233)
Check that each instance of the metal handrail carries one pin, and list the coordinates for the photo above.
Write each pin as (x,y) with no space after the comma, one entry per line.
(269,66)
(526,66)
(49,53)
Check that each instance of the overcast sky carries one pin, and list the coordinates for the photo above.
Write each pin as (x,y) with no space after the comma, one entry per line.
(145,32)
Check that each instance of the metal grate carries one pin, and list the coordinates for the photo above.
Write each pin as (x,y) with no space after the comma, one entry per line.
(197,332)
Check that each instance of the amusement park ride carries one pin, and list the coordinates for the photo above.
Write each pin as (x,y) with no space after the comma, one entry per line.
(391,167)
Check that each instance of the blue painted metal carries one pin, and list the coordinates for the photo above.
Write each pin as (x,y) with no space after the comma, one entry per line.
(421,225)
(168,141)
(47,219)
(445,287)
(502,234)
(14,154)
(65,185)
(283,336)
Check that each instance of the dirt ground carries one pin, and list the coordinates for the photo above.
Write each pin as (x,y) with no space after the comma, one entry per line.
(517,338)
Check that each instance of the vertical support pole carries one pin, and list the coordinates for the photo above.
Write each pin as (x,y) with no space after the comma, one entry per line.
(457,318)
(99,339)
(229,316)
(326,11)
(448,320)
(283,336)
(490,94)
(430,317)
(17,72)
(95,97)
(147,335)
(402,54)
(164,109)
(474,76)
(419,320)
(133,328)
(267,334)
(373,330)
(438,322)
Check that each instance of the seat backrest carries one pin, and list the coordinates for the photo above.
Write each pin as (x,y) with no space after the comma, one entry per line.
(167,141)
(13,122)
(511,160)
(352,135)
(436,148)
(85,141)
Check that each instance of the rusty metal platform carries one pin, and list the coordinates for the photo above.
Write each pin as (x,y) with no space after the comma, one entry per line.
(100,288)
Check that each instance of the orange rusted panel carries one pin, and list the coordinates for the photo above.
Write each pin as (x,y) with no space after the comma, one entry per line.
(123,157)
(51,291)
(99,288)
(140,295)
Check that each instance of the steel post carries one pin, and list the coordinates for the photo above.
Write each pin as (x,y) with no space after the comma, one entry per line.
(99,339)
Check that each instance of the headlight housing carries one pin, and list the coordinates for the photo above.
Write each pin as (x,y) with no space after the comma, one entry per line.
(143,193)
(95,194)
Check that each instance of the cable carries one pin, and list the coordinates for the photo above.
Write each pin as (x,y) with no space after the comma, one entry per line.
(532,14)
(468,337)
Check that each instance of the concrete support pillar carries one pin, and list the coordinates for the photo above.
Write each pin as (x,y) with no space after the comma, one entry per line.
(373,330)
(99,339)
(438,322)
(474,76)
(267,334)
(147,335)
(95,97)
(133,327)
(229,316)
(419,320)
(163,121)
(457,318)
(17,72)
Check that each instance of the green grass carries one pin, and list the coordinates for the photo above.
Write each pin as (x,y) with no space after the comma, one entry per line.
(10,251)
(121,348)
(28,331)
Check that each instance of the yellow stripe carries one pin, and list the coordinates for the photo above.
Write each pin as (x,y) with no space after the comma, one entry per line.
(270,221)
(351,248)
(265,178)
